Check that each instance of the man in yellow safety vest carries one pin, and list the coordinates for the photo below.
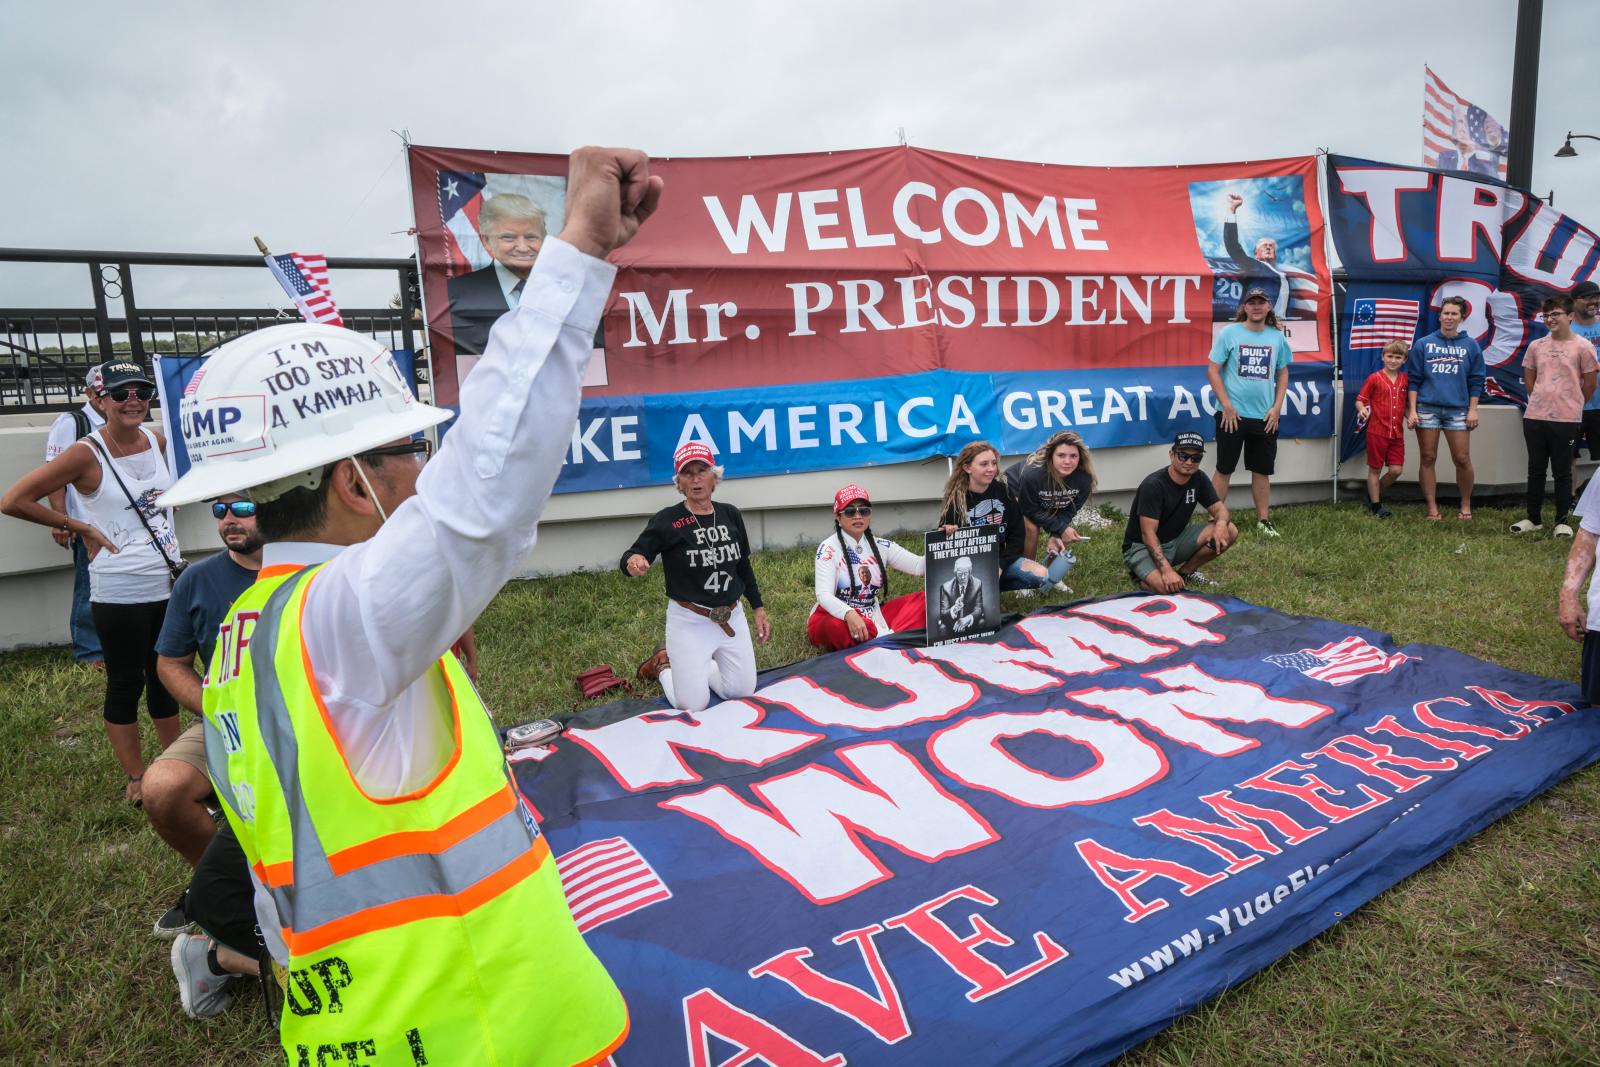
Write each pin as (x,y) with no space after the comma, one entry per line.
(398,875)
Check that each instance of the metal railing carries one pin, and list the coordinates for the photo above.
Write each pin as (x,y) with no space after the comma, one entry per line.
(46,351)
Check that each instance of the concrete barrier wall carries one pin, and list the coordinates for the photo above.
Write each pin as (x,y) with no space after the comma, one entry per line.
(588,531)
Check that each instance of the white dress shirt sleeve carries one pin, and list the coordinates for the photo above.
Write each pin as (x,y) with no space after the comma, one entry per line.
(385,610)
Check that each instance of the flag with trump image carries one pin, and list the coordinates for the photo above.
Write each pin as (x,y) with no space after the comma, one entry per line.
(901,854)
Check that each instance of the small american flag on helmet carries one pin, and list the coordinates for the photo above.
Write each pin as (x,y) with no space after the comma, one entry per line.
(304,276)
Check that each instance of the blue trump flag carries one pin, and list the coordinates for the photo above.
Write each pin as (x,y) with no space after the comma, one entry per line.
(1035,848)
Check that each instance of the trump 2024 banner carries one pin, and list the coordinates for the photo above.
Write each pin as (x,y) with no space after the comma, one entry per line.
(1035,848)
(1407,237)
(845,309)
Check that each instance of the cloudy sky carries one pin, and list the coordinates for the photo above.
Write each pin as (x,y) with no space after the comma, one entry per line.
(198,127)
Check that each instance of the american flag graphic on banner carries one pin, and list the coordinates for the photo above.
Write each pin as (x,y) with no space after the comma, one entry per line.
(1458,134)
(304,277)
(460,200)
(1376,322)
(1303,290)
(606,880)
(1340,662)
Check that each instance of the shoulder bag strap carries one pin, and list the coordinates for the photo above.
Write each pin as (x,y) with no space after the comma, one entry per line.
(94,442)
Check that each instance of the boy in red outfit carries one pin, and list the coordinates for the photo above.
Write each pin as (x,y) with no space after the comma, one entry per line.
(1381,406)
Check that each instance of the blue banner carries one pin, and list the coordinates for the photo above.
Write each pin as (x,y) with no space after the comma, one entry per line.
(1036,848)
(1408,237)
(781,429)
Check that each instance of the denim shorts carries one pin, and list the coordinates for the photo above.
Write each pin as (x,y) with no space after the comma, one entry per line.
(1439,417)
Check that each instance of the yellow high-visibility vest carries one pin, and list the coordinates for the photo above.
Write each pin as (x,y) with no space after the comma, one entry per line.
(424,928)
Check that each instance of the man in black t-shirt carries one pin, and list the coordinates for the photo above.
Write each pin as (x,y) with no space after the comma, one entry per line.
(1160,548)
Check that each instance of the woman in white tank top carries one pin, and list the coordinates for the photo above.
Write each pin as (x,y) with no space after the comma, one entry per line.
(130,567)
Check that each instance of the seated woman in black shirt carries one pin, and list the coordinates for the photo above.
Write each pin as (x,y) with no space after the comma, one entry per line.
(706,554)
(1051,485)
(976,495)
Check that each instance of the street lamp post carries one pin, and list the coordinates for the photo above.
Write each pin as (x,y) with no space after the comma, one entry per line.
(1566,151)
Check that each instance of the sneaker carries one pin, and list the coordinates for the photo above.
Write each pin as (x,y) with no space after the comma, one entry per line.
(202,993)
(1528,526)
(1063,588)
(174,922)
(1562,530)
(1382,512)
(1198,579)
(1025,593)
(1267,529)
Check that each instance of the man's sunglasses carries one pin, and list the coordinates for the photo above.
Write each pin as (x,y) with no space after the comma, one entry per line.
(242,509)
(120,393)
(1190,457)
(856,510)
(410,448)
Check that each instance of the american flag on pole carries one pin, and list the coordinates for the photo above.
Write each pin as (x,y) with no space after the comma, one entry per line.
(1458,134)
(606,880)
(1340,662)
(1376,322)
(305,278)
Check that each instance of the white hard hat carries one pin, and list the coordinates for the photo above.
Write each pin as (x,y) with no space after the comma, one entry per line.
(269,410)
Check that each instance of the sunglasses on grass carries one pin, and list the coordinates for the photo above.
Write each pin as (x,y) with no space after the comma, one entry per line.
(120,393)
(242,509)
(856,511)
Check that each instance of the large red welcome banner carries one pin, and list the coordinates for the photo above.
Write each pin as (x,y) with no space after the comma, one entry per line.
(892,265)
(893,261)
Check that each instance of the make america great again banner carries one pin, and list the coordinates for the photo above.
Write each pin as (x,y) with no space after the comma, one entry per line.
(849,308)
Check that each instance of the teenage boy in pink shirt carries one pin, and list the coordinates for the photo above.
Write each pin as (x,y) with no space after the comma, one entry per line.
(1559,372)
(1381,405)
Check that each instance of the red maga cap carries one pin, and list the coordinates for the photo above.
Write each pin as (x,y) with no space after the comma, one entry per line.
(847,496)
(690,452)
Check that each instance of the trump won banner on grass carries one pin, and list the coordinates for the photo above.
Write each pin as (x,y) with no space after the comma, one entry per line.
(1038,847)
(844,309)
(1408,237)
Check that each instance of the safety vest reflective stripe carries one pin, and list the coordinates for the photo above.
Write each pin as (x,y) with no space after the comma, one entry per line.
(406,842)
(432,906)
(382,884)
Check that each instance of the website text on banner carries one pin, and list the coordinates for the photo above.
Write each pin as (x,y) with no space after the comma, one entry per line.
(1408,237)
(1035,848)
(1043,296)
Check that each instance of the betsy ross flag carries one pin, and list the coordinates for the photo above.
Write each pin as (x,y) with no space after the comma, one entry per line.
(1340,662)
(305,278)
(1376,322)
(606,880)
(1458,134)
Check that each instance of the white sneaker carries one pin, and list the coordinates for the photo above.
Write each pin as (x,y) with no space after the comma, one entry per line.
(1562,530)
(1529,526)
(1025,593)
(1063,587)
(202,993)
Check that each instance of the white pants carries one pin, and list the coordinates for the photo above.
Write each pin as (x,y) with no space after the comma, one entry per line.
(702,658)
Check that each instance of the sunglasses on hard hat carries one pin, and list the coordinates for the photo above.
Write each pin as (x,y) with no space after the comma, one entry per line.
(120,393)
(856,510)
(242,509)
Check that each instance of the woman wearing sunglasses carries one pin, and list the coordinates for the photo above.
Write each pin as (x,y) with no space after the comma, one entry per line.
(852,575)
(118,471)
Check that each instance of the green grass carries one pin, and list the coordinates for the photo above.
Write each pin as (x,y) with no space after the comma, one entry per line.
(1490,956)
